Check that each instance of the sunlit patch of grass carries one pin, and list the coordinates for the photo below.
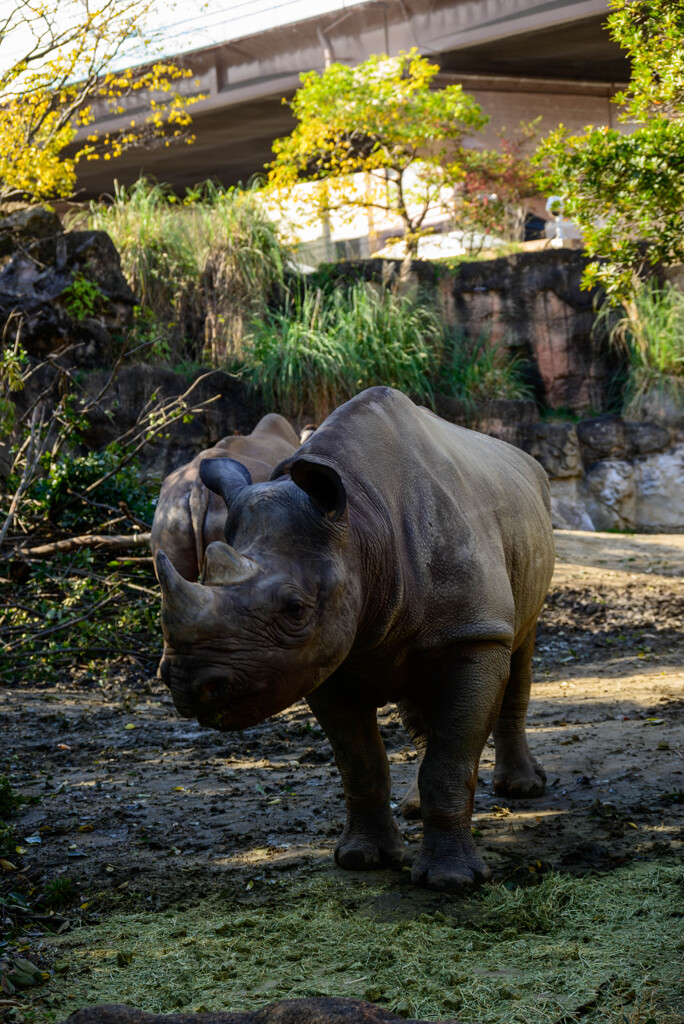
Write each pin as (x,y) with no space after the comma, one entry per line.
(597,947)
(651,335)
(199,266)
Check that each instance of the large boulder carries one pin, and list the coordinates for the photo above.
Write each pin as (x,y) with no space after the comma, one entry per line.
(556,447)
(63,290)
(608,491)
(570,515)
(611,437)
(603,437)
(659,483)
(644,438)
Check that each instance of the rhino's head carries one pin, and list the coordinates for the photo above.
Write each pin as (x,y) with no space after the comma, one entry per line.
(276,608)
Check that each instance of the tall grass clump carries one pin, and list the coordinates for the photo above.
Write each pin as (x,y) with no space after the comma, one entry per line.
(200,266)
(475,370)
(651,336)
(324,348)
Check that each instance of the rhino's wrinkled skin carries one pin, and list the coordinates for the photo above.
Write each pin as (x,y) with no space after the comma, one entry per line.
(189,516)
(394,557)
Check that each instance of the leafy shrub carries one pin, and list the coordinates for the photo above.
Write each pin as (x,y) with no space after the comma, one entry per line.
(475,370)
(200,266)
(83,298)
(62,494)
(74,614)
(325,348)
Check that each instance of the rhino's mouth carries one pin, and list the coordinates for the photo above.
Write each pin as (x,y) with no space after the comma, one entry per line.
(220,697)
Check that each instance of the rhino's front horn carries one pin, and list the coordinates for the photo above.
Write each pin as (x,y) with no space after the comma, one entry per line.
(181,600)
(224,565)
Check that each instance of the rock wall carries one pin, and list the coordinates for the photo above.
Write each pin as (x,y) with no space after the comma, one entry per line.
(623,475)
(533,303)
(135,388)
(605,473)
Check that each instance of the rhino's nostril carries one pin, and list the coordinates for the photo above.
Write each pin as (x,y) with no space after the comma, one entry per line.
(207,693)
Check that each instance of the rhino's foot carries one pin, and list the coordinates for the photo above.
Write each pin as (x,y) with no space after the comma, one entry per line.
(365,848)
(455,864)
(410,803)
(522,781)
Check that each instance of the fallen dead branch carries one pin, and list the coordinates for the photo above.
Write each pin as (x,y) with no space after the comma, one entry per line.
(116,542)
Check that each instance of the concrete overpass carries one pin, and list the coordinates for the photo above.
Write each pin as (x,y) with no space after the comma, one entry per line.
(520,58)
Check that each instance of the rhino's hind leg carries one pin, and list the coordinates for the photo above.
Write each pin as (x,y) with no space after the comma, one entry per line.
(516,773)
(370,838)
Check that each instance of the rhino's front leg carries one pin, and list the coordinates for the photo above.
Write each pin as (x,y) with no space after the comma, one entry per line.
(371,838)
(459,707)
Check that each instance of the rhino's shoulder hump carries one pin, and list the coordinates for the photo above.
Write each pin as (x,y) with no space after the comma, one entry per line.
(275,425)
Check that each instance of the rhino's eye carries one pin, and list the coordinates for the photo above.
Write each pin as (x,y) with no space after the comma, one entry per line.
(294,608)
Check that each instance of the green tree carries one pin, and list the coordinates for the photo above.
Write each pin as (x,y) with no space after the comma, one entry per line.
(383,121)
(626,191)
(60,71)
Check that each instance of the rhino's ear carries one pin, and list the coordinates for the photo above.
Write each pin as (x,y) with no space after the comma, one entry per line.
(323,485)
(226,477)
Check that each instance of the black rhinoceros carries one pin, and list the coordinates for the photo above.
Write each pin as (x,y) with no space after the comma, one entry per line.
(393,557)
(188,516)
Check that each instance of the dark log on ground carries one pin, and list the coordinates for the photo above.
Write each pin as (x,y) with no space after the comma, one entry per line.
(289,1011)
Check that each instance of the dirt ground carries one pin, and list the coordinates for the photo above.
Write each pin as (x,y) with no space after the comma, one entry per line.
(134,799)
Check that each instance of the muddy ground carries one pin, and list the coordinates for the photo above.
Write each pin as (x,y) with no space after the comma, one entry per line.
(139,807)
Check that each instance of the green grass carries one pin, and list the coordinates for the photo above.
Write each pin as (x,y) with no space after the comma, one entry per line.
(651,335)
(605,948)
(326,347)
(476,370)
(199,266)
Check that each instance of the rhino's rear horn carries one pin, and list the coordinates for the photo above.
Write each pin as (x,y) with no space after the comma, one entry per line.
(224,565)
(182,601)
(323,484)
(226,477)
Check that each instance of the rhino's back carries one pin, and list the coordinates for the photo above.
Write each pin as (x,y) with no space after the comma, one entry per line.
(466,516)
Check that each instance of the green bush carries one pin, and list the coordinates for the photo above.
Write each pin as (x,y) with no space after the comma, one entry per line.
(199,266)
(324,348)
(75,613)
(61,495)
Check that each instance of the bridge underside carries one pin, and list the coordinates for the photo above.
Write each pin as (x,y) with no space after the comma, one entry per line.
(520,59)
